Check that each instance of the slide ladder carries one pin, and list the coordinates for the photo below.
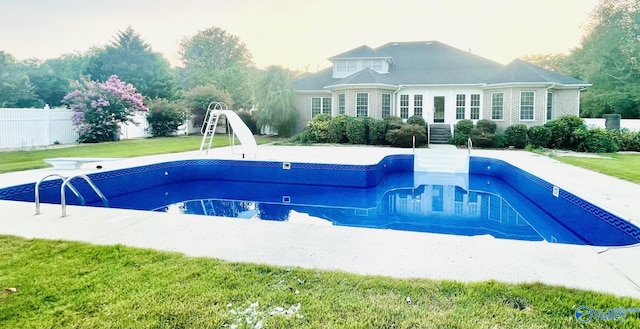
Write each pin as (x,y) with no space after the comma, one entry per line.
(238,129)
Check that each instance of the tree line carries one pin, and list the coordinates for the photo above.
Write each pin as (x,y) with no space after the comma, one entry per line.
(608,57)
(216,66)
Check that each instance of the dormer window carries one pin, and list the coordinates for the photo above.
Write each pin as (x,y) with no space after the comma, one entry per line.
(346,67)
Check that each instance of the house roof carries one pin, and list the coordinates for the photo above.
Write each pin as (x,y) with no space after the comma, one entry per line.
(362,51)
(432,63)
(366,76)
(519,71)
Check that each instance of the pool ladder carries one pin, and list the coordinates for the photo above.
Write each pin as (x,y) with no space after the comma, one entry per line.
(66,181)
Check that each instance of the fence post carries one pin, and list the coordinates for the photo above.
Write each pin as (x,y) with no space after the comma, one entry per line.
(47,123)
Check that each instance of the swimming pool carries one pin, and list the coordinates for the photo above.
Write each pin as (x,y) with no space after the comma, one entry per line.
(497,198)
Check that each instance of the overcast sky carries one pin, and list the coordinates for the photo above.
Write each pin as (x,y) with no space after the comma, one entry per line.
(297,34)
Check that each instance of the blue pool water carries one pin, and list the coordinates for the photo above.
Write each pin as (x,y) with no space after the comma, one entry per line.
(495,199)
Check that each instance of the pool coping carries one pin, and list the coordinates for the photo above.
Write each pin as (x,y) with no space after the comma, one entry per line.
(357,250)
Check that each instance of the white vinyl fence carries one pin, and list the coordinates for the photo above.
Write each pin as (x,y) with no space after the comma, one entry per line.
(631,124)
(27,128)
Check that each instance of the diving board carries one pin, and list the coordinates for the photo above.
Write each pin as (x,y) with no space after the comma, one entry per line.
(74,163)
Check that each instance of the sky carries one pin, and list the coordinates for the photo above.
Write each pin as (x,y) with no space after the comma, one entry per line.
(297,34)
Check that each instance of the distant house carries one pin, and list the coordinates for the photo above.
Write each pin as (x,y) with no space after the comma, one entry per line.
(438,82)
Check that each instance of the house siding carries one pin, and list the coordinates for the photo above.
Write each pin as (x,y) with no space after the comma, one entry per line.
(303,105)
(565,102)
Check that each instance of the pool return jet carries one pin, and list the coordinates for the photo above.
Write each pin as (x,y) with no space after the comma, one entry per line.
(238,129)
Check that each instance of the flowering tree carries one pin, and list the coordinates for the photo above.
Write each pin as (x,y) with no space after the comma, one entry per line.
(100,106)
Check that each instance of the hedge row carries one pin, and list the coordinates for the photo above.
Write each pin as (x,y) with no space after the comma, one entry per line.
(345,129)
(568,132)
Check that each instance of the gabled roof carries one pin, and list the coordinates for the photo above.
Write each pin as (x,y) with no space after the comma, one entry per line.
(362,51)
(433,63)
(519,71)
(366,76)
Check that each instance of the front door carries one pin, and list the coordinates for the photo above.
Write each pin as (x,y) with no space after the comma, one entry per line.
(438,109)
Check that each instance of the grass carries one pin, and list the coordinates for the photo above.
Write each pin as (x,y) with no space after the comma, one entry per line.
(25,160)
(69,285)
(624,166)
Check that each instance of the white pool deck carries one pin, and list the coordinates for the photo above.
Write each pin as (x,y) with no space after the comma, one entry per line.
(357,250)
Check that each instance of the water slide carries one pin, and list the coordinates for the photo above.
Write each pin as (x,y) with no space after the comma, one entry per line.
(240,130)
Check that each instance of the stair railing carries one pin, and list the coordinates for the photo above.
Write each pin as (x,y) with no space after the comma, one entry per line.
(37,191)
(88,180)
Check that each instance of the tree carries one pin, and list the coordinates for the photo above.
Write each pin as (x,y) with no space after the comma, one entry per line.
(275,100)
(15,88)
(132,59)
(99,108)
(214,57)
(198,99)
(48,86)
(554,62)
(213,49)
(608,58)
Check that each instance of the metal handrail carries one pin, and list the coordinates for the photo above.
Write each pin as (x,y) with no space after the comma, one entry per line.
(88,180)
(37,191)
(469,145)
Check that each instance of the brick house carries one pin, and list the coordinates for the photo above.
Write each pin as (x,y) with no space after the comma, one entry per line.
(438,82)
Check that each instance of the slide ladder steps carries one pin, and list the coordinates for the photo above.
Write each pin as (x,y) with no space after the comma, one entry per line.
(238,129)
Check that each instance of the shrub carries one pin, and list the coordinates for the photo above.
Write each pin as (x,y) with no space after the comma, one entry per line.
(417,120)
(338,129)
(248,120)
(516,135)
(499,141)
(356,130)
(403,136)
(393,122)
(595,140)
(461,132)
(487,126)
(562,130)
(628,140)
(164,117)
(377,131)
(318,128)
(539,136)
(481,138)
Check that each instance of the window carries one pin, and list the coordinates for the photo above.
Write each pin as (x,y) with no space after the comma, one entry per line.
(351,66)
(417,105)
(362,104)
(386,105)
(341,104)
(320,105)
(460,100)
(497,106)
(549,105)
(341,66)
(526,105)
(404,106)
(475,106)
(377,66)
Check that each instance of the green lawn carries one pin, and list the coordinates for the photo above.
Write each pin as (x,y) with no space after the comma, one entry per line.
(625,166)
(24,160)
(75,285)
